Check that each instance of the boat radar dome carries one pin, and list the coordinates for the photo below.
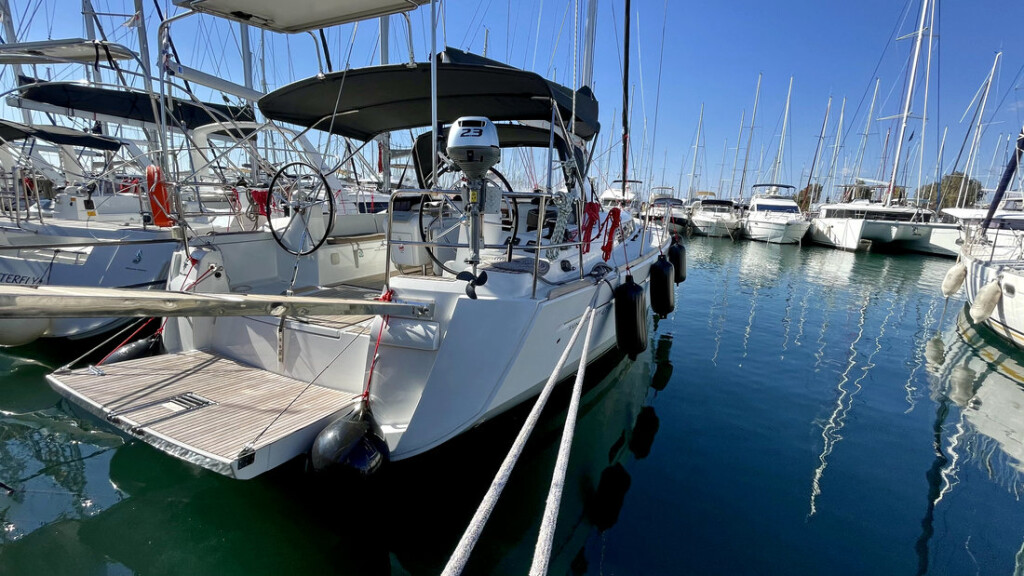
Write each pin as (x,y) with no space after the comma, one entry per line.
(473,145)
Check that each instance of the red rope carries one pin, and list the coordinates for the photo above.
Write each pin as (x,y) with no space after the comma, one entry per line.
(614,216)
(126,340)
(385,297)
(591,216)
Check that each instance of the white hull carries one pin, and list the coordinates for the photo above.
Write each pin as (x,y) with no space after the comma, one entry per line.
(77,255)
(776,231)
(842,233)
(1007,317)
(713,226)
(856,234)
(513,341)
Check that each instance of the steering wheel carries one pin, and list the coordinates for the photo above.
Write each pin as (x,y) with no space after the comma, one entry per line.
(300,192)
(446,200)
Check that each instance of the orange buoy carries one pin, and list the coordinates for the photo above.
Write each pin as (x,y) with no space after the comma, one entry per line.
(159,199)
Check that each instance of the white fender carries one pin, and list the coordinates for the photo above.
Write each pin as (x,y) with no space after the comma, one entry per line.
(961,385)
(19,331)
(954,279)
(935,354)
(986,301)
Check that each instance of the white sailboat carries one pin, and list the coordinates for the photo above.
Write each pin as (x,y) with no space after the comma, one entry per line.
(484,294)
(991,264)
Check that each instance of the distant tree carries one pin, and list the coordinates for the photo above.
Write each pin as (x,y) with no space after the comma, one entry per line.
(811,194)
(899,194)
(946,193)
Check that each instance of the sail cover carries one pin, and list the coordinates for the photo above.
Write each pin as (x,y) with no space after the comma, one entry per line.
(11,131)
(125,103)
(298,15)
(364,102)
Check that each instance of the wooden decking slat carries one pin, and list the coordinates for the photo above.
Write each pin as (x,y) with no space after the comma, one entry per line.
(247,399)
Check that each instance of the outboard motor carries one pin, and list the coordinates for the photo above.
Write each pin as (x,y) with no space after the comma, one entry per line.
(473,146)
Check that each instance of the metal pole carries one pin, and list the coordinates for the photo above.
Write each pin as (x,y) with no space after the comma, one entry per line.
(543,207)
(12,37)
(906,103)
(1011,167)
(750,139)
(625,104)
(433,94)
(385,139)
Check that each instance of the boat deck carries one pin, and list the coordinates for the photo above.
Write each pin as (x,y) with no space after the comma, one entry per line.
(207,409)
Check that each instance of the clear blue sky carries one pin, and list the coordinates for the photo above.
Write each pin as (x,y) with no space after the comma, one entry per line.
(712,54)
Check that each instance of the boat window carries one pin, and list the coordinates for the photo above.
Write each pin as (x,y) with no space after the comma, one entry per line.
(774,208)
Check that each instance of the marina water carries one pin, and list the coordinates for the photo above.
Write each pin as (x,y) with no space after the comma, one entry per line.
(803,411)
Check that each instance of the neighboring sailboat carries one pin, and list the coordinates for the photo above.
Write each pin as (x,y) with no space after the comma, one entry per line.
(990,264)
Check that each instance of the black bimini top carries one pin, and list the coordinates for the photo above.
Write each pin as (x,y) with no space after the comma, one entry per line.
(11,131)
(364,102)
(129,104)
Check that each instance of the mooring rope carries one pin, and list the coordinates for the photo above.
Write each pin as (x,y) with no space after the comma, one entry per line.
(461,555)
(542,552)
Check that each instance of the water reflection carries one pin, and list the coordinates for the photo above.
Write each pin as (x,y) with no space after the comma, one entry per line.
(983,376)
(127,508)
(974,373)
(884,296)
(51,465)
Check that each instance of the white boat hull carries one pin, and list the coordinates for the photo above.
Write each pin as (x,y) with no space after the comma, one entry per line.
(715,227)
(789,231)
(1007,318)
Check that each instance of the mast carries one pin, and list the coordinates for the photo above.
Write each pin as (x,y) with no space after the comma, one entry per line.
(782,138)
(433,94)
(906,102)
(750,139)
(384,140)
(147,76)
(864,137)
(90,34)
(589,35)
(1011,167)
(972,155)
(625,103)
(12,37)
(817,149)
(696,152)
(736,155)
(721,170)
(830,179)
(927,84)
